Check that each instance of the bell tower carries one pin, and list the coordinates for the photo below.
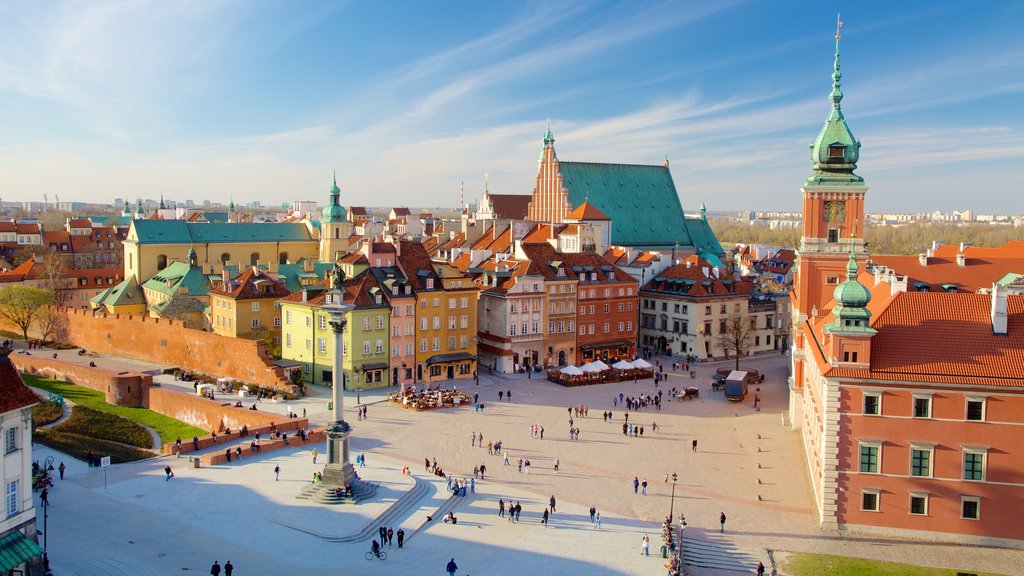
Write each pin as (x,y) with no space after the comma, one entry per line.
(335,228)
(833,224)
(550,202)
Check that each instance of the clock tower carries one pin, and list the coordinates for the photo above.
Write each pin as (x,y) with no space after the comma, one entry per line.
(833,224)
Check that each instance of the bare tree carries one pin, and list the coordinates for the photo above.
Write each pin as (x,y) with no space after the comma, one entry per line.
(738,337)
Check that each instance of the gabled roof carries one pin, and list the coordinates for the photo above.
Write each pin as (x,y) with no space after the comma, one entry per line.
(251,285)
(615,255)
(176,276)
(586,211)
(14,394)
(291,273)
(588,262)
(27,270)
(125,293)
(416,265)
(545,261)
(510,206)
(641,200)
(80,223)
(403,211)
(982,266)
(181,232)
(695,277)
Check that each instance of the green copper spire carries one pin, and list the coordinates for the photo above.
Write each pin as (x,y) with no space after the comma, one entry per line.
(835,152)
(162,206)
(703,211)
(231,203)
(138,208)
(333,212)
(852,297)
(125,208)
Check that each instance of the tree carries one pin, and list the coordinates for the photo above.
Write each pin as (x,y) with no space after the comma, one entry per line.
(22,305)
(738,336)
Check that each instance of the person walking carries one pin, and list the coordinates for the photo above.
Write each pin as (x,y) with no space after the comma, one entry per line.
(693,445)
(760,569)
(501,508)
(483,470)
(506,458)
(501,395)
(401,537)
(228,568)
(168,472)
(597,521)
(645,546)
(556,465)
(472,439)
(519,510)
(452,567)
(508,395)
(544,519)
(215,569)
(592,512)
(643,487)
(552,502)
(61,470)
(636,484)
(391,536)
(721,519)
(315,454)
(277,473)
(526,467)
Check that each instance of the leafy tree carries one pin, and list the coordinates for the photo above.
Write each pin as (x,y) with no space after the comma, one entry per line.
(738,336)
(22,305)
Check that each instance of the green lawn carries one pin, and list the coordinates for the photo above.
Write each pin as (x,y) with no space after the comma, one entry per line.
(105,426)
(168,428)
(797,564)
(82,447)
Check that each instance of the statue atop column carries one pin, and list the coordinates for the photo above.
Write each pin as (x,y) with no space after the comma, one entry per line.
(338,278)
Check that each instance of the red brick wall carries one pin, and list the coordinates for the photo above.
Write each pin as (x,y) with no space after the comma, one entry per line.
(168,342)
(212,414)
(120,388)
(312,437)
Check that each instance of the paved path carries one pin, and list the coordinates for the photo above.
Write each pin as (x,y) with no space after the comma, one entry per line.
(156,445)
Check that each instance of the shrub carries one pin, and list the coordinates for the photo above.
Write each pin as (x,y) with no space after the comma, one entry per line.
(95,424)
(46,412)
(82,447)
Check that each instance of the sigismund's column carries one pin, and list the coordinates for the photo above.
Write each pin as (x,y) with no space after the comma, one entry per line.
(338,472)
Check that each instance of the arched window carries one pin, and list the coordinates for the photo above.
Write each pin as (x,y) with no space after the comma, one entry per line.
(254,258)
(225,258)
(282,258)
(130,260)
(161,262)
(337,232)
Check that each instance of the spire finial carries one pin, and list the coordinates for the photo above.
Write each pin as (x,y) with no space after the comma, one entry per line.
(837,93)
(334,176)
(549,138)
(851,265)
(487,176)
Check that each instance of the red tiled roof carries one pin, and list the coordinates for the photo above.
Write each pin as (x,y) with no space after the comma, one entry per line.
(14,394)
(26,228)
(510,206)
(357,210)
(586,211)
(401,211)
(80,223)
(416,265)
(983,266)
(615,255)
(27,270)
(251,286)
(462,262)
(94,277)
(355,258)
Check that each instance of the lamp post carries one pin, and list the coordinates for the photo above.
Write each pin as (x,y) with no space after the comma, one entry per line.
(338,472)
(672,503)
(47,464)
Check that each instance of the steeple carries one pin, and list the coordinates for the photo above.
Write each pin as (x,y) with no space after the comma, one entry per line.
(138,209)
(333,212)
(549,142)
(162,206)
(703,211)
(850,313)
(835,152)
(126,208)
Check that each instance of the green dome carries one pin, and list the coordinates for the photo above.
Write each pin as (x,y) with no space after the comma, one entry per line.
(333,213)
(852,294)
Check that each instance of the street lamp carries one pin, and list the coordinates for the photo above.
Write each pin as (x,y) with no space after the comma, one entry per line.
(672,504)
(47,464)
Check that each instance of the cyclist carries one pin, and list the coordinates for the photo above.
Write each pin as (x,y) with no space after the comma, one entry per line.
(375,548)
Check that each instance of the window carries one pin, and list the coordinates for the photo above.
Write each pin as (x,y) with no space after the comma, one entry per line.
(872,403)
(436,344)
(512,329)
(321,322)
(551,327)
(590,309)
(10,440)
(321,345)
(590,330)
(380,321)
(629,306)
(423,344)
(451,342)
(287,340)
(918,504)
(309,321)
(869,500)
(452,303)
(277,321)
(12,498)
(309,344)
(606,328)
(255,306)
(288,317)
(380,347)
(707,310)
(410,350)
(451,322)
(366,323)
(536,328)
(255,322)
(869,457)
(396,350)
(849,356)
(721,309)
(832,280)
(437,302)
(833,235)
(970,507)
(922,406)
(621,307)
(920,461)
(621,326)
(606,309)
(975,409)
(437,322)
(423,323)
(464,321)
(974,464)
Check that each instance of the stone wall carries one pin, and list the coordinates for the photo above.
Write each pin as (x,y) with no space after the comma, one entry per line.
(163,341)
(216,415)
(314,439)
(119,388)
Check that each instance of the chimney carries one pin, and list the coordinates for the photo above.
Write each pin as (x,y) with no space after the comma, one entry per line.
(998,309)
(961,259)
(256,269)
(225,276)
(923,258)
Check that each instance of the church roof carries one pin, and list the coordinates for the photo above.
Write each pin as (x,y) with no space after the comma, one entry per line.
(641,201)
(181,232)
(125,293)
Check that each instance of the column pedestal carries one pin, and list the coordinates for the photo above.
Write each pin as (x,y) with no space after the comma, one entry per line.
(338,473)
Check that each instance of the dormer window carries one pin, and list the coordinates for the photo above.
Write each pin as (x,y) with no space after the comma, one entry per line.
(836,151)
(430,283)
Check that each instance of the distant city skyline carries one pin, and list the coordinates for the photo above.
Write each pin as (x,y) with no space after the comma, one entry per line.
(263,101)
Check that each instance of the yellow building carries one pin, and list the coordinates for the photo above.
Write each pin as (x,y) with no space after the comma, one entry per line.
(246,306)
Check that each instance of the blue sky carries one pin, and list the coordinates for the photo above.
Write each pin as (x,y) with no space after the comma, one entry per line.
(406,100)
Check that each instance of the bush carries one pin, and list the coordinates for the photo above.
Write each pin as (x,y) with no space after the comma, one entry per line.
(95,424)
(81,447)
(46,412)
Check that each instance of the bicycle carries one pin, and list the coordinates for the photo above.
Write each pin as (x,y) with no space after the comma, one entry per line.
(382,555)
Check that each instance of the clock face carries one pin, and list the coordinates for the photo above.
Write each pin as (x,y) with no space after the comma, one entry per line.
(835,211)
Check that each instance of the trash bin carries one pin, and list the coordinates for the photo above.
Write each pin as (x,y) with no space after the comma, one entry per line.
(664,551)
(195,462)
(330,405)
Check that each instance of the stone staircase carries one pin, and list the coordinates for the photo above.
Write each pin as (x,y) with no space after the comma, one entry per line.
(447,506)
(361,490)
(717,552)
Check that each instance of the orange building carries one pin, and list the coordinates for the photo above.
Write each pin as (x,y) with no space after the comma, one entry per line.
(607,302)
(910,400)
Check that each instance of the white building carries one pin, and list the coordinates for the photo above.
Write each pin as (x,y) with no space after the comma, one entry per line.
(18,523)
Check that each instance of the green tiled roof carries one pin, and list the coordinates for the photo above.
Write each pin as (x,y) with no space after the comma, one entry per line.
(703,237)
(291,273)
(127,292)
(641,200)
(179,275)
(15,550)
(181,232)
